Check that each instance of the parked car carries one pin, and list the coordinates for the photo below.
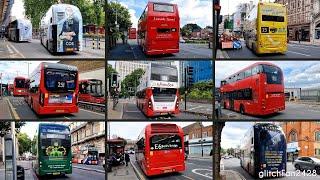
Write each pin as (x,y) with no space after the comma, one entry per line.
(307,163)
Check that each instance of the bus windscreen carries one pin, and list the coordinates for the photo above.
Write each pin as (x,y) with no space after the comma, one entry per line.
(60,81)
(164,94)
(20,83)
(163,8)
(165,142)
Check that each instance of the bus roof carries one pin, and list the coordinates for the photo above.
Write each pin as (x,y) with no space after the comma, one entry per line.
(150,3)
(52,124)
(271,4)
(64,5)
(47,65)
(163,128)
(252,65)
(20,77)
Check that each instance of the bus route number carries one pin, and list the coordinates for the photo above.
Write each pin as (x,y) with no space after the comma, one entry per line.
(264,29)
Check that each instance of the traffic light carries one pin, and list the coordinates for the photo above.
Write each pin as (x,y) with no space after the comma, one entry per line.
(189,76)
(114,80)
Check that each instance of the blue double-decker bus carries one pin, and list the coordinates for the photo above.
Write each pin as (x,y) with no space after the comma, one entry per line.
(263,151)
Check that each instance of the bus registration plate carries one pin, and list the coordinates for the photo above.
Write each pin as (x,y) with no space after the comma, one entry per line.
(167,171)
(56,173)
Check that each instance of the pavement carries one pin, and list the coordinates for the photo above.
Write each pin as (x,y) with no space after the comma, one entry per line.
(231,170)
(34,49)
(20,109)
(131,50)
(4,109)
(202,109)
(118,112)
(295,50)
(130,110)
(122,172)
(293,111)
(91,172)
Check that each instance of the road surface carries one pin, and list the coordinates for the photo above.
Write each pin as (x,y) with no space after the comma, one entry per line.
(24,112)
(133,51)
(196,169)
(294,51)
(293,111)
(34,49)
(233,164)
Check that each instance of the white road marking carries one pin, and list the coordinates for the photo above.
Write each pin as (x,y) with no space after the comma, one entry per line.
(204,175)
(299,53)
(17,51)
(67,117)
(195,107)
(187,177)
(100,114)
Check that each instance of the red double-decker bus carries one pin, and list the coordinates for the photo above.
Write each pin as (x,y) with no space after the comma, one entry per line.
(20,87)
(53,89)
(159,29)
(160,149)
(158,92)
(132,33)
(256,90)
(90,90)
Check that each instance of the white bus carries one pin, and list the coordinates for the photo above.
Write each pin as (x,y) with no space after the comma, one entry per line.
(61,29)
(20,30)
(158,91)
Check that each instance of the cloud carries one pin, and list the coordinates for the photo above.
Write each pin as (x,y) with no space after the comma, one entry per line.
(232,133)
(297,74)
(190,11)
(229,6)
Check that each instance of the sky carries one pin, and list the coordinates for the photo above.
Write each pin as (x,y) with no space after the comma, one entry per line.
(190,11)
(18,9)
(11,69)
(228,7)
(131,130)
(297,74)
(30,129)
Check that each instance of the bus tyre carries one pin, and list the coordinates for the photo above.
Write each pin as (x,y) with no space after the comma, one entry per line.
(317,170)
(242,110)
(297,166)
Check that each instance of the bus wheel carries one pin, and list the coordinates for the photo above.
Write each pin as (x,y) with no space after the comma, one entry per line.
(242,111)
(317,170)
(297,166)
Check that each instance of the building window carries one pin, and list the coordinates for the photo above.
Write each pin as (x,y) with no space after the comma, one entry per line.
(204,134)
(317,136)
(317,31)
(317,152)
(293,136)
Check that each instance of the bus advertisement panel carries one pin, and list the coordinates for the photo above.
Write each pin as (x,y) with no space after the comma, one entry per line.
(159,29)
(263,150)
(256,90)
(53,89)
(265,29)
(160,149)
(53,150)
(61,29)
(158,92)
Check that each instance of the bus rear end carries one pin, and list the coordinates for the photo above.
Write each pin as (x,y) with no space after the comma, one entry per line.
(20,87)
(58,90)
(165,149)
(271,28)
(54,150)
(272,97)
(270,151)
(132,33)
(163,27)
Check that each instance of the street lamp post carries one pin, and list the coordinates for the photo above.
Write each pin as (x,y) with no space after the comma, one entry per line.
(201,141)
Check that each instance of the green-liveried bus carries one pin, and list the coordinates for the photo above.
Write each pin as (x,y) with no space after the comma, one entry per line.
(53,150)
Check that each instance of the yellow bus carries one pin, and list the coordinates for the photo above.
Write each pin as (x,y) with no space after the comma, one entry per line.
(265,28)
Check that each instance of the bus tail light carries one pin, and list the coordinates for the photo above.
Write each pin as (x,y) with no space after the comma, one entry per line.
(177,104)
(173,29)
(151,153)
(150,104)
(267,96)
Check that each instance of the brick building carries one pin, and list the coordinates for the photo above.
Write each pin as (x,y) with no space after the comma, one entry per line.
(196,141)
(303,139)
(85,134)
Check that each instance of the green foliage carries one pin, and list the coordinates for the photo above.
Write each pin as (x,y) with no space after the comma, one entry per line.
(24,143)
(5,127)
(110,70)
(187,29)
(123,18)
(132,80)
(201,91)
(34,145)
(92,11)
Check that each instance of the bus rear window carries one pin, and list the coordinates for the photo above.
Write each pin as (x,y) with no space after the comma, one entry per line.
(163,8)
(20,83)
(163,91)
(60,81)
(273,18)
(165,142)
(274,74)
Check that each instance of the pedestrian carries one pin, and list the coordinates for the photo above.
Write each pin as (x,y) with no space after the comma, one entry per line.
(126,158)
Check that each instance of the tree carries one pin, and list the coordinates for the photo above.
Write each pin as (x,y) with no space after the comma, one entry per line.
(110,71)
(34,145)
(92,11)
(187,29)
(24,143)
(123,18)
(131,81)
(6,126)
